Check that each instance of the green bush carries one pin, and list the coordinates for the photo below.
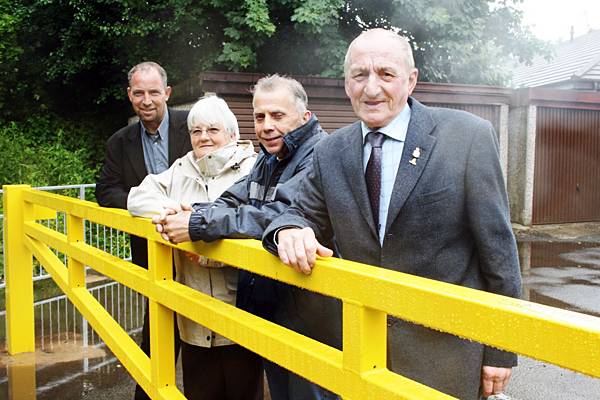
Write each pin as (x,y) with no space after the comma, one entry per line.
(43,151)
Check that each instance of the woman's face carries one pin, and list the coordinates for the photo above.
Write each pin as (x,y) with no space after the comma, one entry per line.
(208,138)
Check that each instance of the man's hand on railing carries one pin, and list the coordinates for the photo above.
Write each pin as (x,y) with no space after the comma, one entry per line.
(299,248)
(173,224)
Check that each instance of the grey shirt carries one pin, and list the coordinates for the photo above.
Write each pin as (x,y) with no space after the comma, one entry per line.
(156,147)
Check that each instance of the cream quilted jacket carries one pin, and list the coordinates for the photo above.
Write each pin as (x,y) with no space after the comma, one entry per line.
(189,181)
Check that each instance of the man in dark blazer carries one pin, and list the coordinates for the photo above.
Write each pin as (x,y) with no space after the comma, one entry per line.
(148,146)
(436,207)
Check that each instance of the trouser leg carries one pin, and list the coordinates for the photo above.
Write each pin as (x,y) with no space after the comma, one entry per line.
(285,385)
(221,373)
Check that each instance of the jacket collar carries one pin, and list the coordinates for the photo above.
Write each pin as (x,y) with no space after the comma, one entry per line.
(229,156)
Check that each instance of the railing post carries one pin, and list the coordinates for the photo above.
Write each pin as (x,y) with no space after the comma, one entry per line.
(75,234)
(365,338)
(18,272)
(162,341)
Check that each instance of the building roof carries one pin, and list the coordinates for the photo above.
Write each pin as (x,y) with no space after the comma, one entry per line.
(574,60)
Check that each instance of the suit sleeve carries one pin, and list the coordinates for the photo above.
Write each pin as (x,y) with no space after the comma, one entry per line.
(111,190)
(487,208)
(232,216)
(307,210)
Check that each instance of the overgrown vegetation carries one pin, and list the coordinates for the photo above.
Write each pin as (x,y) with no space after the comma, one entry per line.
(43,150)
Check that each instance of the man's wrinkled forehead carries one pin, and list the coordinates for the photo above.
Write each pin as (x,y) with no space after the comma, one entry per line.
(269,98)
(374,59)
(379,44)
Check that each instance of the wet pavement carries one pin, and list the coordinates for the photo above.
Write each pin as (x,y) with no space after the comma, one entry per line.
(67,372)
(560,265)
(561,268)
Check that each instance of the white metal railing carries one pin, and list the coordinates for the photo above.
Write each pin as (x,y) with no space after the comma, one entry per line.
(58,322)
(56,318)
(107,239)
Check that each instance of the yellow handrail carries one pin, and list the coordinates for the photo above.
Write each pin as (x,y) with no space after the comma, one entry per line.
(369,294)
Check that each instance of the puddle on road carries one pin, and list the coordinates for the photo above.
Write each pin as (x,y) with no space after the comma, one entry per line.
(46,373)
(562,274)
(61,353)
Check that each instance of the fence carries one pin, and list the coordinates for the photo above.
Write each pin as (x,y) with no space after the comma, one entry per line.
(368,294)
(110,240)
(60,327)
(57,321)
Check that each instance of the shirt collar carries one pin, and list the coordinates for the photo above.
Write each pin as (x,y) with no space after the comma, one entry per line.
(163,128)
(396,129)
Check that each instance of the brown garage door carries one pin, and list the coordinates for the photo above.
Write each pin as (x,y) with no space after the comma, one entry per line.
(567,166)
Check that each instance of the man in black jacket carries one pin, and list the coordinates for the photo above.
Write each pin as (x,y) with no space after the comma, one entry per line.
(287,132)
(146,147)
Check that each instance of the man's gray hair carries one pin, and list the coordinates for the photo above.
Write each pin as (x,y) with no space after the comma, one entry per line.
(405,49)
(146,66)
(210,110)
(273,82)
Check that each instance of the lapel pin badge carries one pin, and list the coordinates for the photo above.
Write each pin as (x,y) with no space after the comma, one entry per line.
(416,154)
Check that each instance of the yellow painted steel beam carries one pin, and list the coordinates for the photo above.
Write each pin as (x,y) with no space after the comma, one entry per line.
(40,212)
(18,271)
(76,268)
(298,353)
(564,338)
(574,344)
(365,338)
(162,341)
(113,217)
(115,337)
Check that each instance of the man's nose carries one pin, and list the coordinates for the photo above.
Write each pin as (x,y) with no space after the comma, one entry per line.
(372,87)
(147,98)
(268,123)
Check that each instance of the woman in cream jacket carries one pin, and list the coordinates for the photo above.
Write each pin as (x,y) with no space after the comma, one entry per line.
(213,366)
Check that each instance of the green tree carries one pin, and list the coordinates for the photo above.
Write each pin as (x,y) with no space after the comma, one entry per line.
(70,57)
(10,53)
(465,41)
(44,151)
(84,48)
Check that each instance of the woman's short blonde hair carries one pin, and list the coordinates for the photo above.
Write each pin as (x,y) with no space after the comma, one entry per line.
(210,110)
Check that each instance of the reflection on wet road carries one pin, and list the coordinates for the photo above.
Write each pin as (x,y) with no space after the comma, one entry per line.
(563,275)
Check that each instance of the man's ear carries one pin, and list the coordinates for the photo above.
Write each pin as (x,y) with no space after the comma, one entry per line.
(412,80)
(306,116)
(168,92)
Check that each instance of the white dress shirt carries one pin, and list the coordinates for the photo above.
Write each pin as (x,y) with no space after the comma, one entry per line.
(395,135)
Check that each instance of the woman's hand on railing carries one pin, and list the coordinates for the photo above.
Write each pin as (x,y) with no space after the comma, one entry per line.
(173,224)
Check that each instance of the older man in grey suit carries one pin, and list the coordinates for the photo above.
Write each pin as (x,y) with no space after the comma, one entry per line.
(413,189)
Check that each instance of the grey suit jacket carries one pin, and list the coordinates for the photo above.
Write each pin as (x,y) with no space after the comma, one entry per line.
(447,220)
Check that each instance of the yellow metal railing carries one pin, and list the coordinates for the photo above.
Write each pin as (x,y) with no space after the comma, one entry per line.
(369,294)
